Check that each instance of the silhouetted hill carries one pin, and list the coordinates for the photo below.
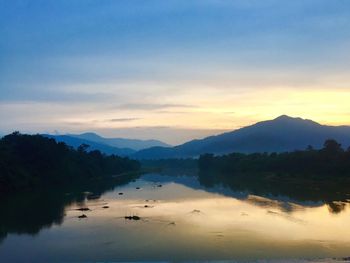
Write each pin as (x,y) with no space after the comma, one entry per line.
(279,135)
(134,144)
(76,142)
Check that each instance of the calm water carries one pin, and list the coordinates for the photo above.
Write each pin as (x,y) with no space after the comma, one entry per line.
(179,220)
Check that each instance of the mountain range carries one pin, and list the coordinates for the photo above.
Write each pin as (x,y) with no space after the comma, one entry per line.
(76,142)
(278,135)
(134,144)
(117,146)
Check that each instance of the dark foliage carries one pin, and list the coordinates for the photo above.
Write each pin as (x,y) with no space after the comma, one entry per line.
(329,161)
(31,160)
(172,167)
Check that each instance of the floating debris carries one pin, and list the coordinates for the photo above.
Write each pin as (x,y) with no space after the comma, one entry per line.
(132,217)
(272,212)
(106,206)
(147,206)
(83,209)
(92,197)
(82,216)
(196,211)
(172,224)
(286,216)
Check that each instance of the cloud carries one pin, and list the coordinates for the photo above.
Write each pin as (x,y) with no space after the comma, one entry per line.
(57,96)
(152,106)
(92,122)
(123,119)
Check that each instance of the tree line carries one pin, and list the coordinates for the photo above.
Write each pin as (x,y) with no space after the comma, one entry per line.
(331,160)
(27,161)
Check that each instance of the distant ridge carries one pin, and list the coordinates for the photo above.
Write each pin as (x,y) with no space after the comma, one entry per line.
(76,142)
(134,144)
(117,146)
(278,135)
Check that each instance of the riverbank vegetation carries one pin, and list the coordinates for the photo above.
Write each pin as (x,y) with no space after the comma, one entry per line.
(331,160)
(27,161)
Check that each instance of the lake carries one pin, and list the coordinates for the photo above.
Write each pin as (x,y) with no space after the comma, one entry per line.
(158,217)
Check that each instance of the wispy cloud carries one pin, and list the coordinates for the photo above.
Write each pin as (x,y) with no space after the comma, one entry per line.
(56,96)
(96,121)
(123,119)
(152,106)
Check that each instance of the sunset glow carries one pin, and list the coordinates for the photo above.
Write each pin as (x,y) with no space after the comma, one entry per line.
(193,68)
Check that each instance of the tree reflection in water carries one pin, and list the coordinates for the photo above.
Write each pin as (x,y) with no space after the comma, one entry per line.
(30,212)
(333,193)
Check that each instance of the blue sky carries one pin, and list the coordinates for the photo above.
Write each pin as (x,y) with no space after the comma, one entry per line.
(171,70)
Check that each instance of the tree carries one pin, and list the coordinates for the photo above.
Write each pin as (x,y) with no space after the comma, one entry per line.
(83,148)
(205,160)
(310,148)
(332,147)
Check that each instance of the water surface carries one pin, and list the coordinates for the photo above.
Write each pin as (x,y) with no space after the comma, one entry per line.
(180,219)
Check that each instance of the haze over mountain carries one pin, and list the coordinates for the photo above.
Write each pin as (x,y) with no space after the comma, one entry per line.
(134,144)
(278,135)
(118,146)
(104,148)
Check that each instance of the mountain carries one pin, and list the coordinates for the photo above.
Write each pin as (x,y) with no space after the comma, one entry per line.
(134,144)
(279,135)
(76,142)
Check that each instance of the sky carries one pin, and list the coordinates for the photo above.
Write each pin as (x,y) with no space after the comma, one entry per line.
(171,70)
